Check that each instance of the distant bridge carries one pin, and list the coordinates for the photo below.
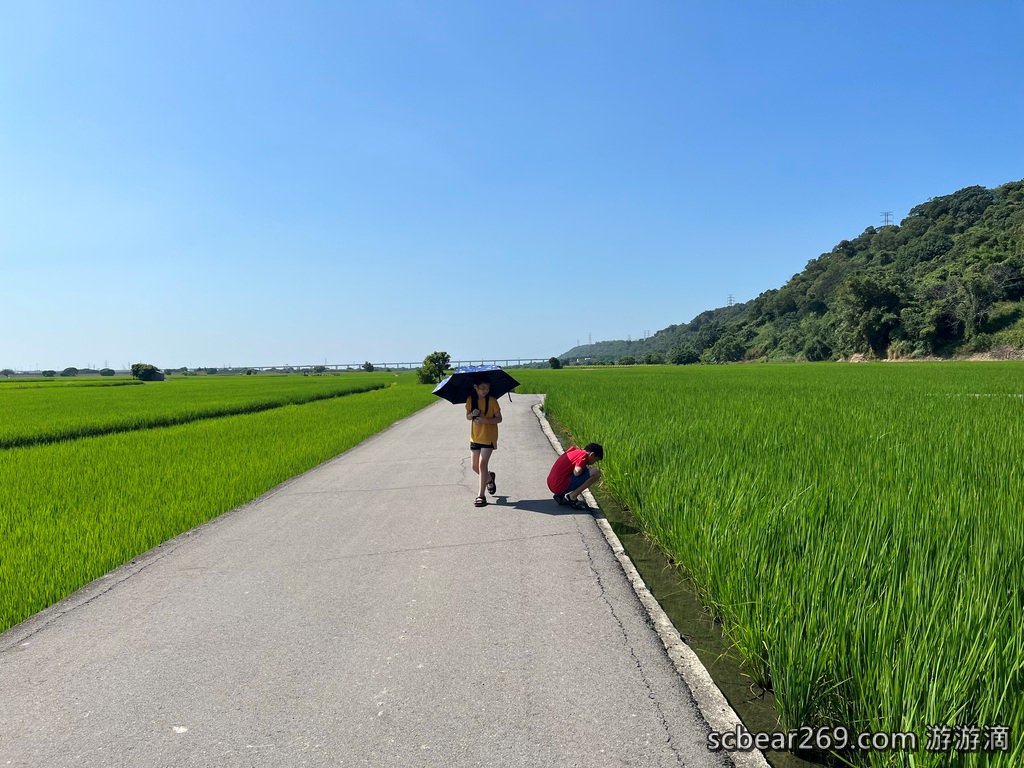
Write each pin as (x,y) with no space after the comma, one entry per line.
(504,363)
(507,362)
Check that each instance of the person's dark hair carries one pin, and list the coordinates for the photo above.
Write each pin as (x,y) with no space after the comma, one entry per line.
(596,449)
(480,379)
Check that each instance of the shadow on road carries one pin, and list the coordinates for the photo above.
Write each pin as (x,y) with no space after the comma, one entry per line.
(542,506)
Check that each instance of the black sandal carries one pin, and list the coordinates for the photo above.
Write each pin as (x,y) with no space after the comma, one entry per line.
(576,503)
(480,502)
(491,487)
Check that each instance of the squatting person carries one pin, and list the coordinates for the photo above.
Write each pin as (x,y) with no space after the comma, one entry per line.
(573,472)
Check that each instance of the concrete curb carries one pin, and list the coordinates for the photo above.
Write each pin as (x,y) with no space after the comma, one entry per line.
(713,706)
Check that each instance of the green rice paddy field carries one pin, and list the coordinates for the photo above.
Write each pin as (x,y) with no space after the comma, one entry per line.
(856,528)
(37,413)
(72,510)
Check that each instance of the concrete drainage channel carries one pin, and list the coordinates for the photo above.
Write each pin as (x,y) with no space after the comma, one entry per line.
(713,705)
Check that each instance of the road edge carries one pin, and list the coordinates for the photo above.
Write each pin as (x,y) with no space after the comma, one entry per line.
(711,702)
(21,634)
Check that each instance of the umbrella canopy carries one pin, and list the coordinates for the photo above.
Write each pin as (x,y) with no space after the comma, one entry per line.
(459,386)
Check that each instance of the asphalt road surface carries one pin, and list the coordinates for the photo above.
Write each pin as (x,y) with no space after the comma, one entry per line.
(362,614)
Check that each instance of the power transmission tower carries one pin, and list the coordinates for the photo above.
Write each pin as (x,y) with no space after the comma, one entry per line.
(731,300)
(886,218)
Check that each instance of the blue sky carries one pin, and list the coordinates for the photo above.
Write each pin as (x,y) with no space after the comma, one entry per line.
(199,183)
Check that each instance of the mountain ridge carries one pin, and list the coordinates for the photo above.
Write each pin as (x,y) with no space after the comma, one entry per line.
(947,280)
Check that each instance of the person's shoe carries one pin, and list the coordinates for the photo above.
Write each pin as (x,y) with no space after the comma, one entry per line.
(576,503)
(560,499)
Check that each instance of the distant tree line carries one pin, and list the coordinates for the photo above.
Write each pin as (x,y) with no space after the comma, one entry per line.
(68,372)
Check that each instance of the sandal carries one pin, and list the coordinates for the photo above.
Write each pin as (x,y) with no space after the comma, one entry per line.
(480,502)
(491,487)
(576,503)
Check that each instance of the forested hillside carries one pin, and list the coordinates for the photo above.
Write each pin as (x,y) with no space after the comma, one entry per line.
(947,281)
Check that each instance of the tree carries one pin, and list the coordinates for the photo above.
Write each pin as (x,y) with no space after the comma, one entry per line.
(728,349)
(1007,279)
(817,349)
(7,372)
(867,310)
(627,360)
(49,374)
(434,366)
(708,335)
(368,367)
(146,372)
(975,297)
(684,354)
(69,372)
(931,317)
(319,369)
(555,363)
(106,371)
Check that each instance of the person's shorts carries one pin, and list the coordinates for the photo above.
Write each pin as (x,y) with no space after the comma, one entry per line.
(478,446)
(575,481)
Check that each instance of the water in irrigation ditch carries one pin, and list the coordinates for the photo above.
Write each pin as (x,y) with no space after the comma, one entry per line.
(676,596)
(678,599)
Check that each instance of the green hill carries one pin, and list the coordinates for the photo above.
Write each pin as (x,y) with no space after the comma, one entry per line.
(948,280)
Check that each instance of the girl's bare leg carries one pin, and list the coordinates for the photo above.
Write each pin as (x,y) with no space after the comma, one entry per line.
(485,457)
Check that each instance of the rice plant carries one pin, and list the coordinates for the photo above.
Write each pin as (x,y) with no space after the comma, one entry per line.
(34,415)
(70,512)
(856,528)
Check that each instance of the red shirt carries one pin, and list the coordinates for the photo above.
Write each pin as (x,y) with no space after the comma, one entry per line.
(562,470)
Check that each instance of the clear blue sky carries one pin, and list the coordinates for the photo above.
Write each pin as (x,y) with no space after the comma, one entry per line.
(197,183)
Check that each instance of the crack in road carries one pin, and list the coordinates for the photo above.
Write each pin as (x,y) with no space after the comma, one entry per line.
(629,646)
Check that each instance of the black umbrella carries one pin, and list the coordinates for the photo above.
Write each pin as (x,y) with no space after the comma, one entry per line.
(459,386)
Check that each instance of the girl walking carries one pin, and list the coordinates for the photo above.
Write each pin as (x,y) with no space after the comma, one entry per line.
(485,414)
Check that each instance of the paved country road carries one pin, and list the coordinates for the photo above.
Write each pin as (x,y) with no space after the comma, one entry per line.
(362,614)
